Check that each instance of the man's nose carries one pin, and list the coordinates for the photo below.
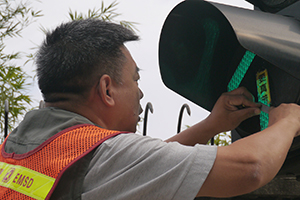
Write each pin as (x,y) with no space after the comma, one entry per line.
(141,94)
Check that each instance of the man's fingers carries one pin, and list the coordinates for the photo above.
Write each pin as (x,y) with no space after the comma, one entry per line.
(240,101)
(242,91)
(246,113)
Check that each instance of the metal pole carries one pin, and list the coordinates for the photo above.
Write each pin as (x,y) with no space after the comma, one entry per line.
(148,106)
(6,110)
(212,141)
(180,115)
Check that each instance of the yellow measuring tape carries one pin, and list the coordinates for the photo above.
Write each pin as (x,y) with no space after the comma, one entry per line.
(25,181)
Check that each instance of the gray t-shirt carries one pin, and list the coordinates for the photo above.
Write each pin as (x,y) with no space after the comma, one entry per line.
(131,166)
(128,166)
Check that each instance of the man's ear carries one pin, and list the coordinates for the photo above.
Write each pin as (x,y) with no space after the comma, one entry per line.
(106,90)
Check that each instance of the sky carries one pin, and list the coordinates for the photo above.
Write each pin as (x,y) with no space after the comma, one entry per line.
(149,16)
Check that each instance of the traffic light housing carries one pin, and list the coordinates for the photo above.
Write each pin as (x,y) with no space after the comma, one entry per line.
(272,6)
(203,47)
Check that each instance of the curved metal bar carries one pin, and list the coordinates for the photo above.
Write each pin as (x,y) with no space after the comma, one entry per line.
(6,110)
(212,141)
(180,115)
(148,107)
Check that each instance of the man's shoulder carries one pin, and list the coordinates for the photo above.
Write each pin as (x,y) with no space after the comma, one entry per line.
(38,126)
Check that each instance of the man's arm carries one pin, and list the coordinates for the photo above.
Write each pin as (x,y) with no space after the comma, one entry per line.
(225,116)
(248,163)
(252,162)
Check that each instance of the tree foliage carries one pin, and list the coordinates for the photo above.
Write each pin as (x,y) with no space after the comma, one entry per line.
(105,13)
(222,139)
(14,17)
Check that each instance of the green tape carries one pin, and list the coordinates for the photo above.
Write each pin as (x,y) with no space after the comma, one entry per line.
(237,78)
(241,71)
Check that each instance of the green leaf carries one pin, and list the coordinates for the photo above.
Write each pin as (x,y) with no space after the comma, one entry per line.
(105,13)
(15,16)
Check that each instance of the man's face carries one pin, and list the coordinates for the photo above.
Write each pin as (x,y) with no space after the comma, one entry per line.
(129,95)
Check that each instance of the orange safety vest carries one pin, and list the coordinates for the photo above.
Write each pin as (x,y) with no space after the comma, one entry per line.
(34,175)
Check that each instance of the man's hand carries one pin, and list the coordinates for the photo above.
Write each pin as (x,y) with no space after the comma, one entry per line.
(231,109)
(289,112)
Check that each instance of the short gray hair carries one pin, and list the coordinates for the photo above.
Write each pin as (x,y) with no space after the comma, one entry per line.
(76,54)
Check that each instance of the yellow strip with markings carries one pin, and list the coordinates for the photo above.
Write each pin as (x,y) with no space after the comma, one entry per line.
(25,181)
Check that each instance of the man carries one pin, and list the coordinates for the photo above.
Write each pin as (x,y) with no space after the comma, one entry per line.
(90,85)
